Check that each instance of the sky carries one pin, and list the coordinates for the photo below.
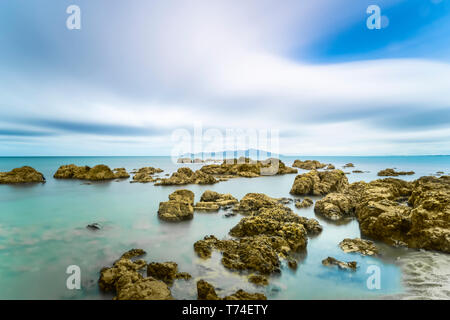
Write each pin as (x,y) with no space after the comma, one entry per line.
(139,72)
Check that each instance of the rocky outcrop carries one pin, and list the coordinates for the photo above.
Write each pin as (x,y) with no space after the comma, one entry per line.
(252,202)
(258,279)
(178,208)
(185,176)
(205,291)
(21,175)
(335,206)
(392,173)
(97,173)
(248,168)
(126,281)
(213,201)
(308,164)
(306,203)
(330,261)
(365,247)
(166,272)
(145,175)
(319,183)
(349,165)
(330,167)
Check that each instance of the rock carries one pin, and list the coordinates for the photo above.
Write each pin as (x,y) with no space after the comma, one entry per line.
(285,200)
(349,165)
(258,279)
(21,175)
(365,247)
(185,176)
(143,289)
(331,167)
(166,272)
(178,208)
(352,265)
(252,202)
(319,183)
(392,173)
(205,291)
(213,201)
(309,164)
(121,173)
(335,206)
(133,253)
(145,175)
(358,171)
(93,226)
(292,264)
(184,160)
(307,202)
(97,173)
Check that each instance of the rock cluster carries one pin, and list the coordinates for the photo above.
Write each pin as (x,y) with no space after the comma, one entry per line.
(309,164)
(365,247)
(205,291)
(127,282)
(248,168)
(392,173)
(166,272)
(185,176)
(97,173)
(21,175)
(145,175)
(179,207)
(330,261)
(306,203)
(319,182)
(213,201)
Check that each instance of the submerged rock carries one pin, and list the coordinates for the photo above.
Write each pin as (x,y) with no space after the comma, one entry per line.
(308,164)
(205,291)
(306,203)
(330,261)
(335,206)
(319,183)
(21,175)
(97,173)
(178,208)
(185,176)
(145,175)
(124,279)
(93,226)
(392,173)
(213,201)
(365,247)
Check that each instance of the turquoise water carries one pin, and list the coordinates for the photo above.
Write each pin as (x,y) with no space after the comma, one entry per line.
(43,231)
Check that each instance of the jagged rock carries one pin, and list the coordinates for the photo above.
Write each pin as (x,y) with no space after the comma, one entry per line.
(205,291)
(145,175)
(21,175)
(245,167)
(349,165)
(178,208)
(252,202)
(213,201)
(166,272)
(258,279)
(392,173)
(307,202)
(97,173)
(335,206)
(352,265)
(185,176)
(365,247)
(319,183)
(309,164)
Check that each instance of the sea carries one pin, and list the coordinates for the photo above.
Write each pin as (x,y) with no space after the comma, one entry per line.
(43,233)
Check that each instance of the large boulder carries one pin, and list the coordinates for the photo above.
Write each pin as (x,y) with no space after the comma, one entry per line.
(213,201)
(319,183)
(252,202)
(178,208)
(145,175)
(335,206)
(392,173)
(185,176)
(21,175)
(97,173)
(309,164)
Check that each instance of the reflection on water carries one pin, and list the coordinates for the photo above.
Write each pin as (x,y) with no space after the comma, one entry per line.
(43,230)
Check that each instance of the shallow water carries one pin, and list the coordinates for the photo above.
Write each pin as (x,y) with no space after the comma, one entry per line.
(43,231)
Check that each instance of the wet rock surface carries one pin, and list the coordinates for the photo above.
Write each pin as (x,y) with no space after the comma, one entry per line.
(206,291)
(97,173)
(21,175)
(178,208)
(213,201)
(146,174)
(185,176)
(335,206)
(305,203)
(392,173)
(309,164)
(365,247)
(319,183)
(252,202)
(166,272)
(330,261)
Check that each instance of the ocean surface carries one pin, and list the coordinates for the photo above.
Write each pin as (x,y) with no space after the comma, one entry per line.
(43,231)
